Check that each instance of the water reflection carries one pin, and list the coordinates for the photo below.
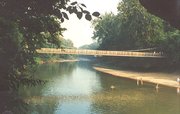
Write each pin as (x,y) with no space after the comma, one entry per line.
(74,88)
(76,82)
(48,71)
(74,107)
(11,103)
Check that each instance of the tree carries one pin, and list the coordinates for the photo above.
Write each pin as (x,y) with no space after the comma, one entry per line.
(28,25)
(92,46)
(133,27)
(170,44)
(106,31)
(137,24)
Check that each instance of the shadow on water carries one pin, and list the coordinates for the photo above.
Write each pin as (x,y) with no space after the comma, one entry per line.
(140,64)
(45,71)
(11,103)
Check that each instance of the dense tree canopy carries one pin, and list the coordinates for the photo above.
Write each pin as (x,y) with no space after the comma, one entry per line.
(131,28)
(134,28)
(143,28)
(106,31)
(26,25)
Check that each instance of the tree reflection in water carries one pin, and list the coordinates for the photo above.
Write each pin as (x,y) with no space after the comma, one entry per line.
(77,89)
(11,102)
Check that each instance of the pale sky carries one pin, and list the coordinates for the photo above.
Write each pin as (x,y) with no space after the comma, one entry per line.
(81,31)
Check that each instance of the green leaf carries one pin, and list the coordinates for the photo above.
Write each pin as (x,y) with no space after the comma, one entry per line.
(81,9)
(59,15)
(87,12)
(70,9)
(75,10)
(79,15)
(88,17)
(73,3)
(83,5)
(65,15)
(62,20)
(96,14)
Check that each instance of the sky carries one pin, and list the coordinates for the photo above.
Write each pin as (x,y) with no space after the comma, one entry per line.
(81,31)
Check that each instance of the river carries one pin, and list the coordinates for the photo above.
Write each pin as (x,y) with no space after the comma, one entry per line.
(75,88)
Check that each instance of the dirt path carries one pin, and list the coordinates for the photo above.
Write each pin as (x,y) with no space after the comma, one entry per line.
(156,78)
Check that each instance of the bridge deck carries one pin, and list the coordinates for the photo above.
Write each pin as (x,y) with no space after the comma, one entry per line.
(99,52)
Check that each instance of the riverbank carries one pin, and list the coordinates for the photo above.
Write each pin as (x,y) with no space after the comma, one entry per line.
(63,60)
(142,77)
(58,61)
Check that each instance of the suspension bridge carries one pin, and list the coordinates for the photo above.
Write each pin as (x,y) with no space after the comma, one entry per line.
(100,52)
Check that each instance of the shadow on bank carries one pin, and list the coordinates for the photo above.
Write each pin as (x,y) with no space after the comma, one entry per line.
(139,64)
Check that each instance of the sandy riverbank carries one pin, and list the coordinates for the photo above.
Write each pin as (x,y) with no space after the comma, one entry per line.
(156,78)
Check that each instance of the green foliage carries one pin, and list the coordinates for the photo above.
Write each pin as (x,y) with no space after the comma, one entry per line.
(171,45)
(14,56)
(106,31)
(92,46)
(134,28)
(131,28)
(66,43)
(63,43)
(26,25)
(143,29)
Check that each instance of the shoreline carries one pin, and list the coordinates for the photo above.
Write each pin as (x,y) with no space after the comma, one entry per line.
(140,77)
(65,60)
(59,61)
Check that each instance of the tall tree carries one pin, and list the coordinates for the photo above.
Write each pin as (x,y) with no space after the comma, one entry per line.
(106,31)
(133,27)
(27,25)
(138,25)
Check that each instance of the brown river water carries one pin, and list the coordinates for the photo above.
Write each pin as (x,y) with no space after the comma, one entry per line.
(76,88)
